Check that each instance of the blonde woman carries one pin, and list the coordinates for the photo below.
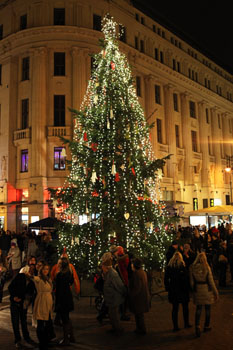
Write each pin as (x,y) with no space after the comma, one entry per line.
(176,282)
(204,290)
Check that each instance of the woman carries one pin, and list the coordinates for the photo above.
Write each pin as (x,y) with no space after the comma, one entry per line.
(43,306)
(204,290)
(176,282)
(139,298)
(64,299)
(14,258)
(114,292)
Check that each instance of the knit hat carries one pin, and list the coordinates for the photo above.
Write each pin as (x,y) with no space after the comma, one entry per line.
(113,249)
(137,263)
(120,250)
(107,259)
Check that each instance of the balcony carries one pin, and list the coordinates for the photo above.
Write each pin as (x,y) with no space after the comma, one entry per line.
(57,131)
(22,136)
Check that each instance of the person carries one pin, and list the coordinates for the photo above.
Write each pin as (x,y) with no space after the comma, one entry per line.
(222,264)
(204,290)
(3,271)
(76,284)
(21,289)
(139,296)
(122,263)
(64,299)
(176,281)
(14,258)
(114,292)
(188,255)
(5,242)
(43,306)
(171,250)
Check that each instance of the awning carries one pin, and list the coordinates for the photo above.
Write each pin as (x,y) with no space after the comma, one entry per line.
(46,223)
(217,210)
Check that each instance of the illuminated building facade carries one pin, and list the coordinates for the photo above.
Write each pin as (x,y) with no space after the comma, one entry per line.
(45,65)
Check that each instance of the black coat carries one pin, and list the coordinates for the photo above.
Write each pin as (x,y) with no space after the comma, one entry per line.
(176,282)
(64,299)
(20,287)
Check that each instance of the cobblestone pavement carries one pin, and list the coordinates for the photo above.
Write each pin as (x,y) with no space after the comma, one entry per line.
(91,335)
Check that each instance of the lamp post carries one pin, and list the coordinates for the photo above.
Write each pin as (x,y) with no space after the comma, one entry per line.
(229,169)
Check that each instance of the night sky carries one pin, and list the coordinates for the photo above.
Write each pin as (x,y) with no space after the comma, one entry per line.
(203,24)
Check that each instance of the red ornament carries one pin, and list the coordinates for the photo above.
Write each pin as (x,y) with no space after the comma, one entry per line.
(85,137)
(95,194)
(133,171)
(113,66)
(94,146)
(92,242)
(117,177)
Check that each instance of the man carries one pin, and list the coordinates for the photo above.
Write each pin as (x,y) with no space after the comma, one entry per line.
(21,290)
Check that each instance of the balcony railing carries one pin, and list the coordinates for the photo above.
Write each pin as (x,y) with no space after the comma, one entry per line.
(57,131)
(22,134)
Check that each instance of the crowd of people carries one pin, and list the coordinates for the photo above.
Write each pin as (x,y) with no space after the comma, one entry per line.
(42,280)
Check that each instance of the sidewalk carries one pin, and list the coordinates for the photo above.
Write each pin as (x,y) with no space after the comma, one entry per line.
(92,336)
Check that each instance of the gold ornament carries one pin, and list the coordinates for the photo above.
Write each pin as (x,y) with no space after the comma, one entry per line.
(126,215)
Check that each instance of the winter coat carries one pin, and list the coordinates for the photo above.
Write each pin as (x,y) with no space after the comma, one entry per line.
(202,284)
(139,296)
(123,262)
(64,299)
(114,289)
(43,306)
(16,260)
(176,281)
(5,242)
(55,270)
(21,288)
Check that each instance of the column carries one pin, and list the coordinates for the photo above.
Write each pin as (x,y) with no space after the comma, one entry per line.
(79,79)
(187,141)
(216,136)
(170,132)
(150,112)
(38,155)
(203,128)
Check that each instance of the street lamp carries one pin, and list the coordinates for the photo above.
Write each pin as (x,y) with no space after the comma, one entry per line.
(229,169)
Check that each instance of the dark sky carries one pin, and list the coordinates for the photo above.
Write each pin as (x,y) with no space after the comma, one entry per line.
(204,24)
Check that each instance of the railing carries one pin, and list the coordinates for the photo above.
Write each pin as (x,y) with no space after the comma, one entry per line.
(22,134)
(58,131)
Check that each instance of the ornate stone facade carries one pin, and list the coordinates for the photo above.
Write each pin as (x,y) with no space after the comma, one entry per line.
(187,95)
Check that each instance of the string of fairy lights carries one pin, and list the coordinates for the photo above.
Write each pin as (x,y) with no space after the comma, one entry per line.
(111,147)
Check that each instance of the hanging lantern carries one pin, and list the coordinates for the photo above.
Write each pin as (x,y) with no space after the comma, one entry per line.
(108,124)
(93,177)
(113,169)
(63,152)
(111,113)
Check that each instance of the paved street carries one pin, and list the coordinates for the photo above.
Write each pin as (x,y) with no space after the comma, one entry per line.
(91,335)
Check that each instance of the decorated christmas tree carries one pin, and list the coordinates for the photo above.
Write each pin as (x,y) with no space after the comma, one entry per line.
(114,176)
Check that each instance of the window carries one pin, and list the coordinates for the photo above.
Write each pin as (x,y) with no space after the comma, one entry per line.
(59,63)
(157,94)
(207,116)
(174,64)
(209,146)
(192,109)
(161,57)
(59,16)
(97,22)
(1,31)
(25,113)
(154,28)
(156,54)
(205,202)
(122,31)
(25,68)
(194,140)
(136,42)
(142,45)
(0,74)
(59,110)
(177,132)
(137,17)
(142,20)
(219,121)
(59,158)
(138,86)
(23,22)
(24,161)
(175,102)
(228,201)
(159,130)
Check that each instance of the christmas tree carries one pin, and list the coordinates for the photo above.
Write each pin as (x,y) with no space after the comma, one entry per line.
(114,176)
